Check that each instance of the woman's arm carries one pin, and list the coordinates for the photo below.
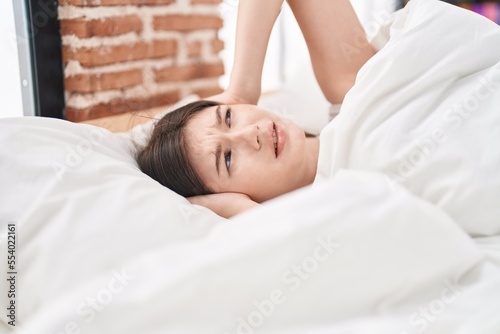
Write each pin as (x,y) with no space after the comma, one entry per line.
(256,19)
(335,38)
(336,41)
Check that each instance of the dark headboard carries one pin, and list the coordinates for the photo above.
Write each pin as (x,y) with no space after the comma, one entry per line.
(40,58)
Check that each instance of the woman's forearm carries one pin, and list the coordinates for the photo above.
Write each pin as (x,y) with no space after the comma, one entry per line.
(256,19)
(336,41)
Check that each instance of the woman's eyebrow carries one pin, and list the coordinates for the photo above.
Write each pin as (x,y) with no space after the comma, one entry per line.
(218,153)
(218,149)
(218,116)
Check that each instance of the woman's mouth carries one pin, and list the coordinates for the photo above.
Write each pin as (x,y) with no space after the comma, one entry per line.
(275,141)
(278,137)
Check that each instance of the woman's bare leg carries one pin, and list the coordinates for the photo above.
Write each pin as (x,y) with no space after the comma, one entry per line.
(336,42)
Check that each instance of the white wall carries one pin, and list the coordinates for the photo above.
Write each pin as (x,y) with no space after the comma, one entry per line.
(10,81)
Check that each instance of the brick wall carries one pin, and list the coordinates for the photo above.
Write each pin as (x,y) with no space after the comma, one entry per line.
(128,55)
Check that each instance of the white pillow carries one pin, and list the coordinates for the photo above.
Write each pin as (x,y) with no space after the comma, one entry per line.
(66,184)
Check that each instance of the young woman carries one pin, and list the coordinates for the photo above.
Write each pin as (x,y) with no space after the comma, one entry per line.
(229,155)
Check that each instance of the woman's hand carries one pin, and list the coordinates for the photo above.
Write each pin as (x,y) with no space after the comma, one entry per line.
(229,98)
(224,204)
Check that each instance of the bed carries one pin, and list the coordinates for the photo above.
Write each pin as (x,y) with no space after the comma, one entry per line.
(101,247)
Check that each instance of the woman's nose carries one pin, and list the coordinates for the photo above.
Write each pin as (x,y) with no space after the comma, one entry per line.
(248,136)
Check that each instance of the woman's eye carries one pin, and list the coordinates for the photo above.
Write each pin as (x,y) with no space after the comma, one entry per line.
(227,159)
(228,117)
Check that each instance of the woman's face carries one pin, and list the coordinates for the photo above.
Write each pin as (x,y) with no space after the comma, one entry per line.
(232,149)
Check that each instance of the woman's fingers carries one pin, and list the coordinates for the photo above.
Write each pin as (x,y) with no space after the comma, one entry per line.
(229,99)
(224,204)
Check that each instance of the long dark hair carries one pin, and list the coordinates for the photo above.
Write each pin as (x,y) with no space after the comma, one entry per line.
(164,158)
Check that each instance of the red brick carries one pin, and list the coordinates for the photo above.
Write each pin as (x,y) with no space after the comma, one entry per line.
(86,83)
(217,45)
(105,27)
(97,3)
(121,106)
(194,49)
(185,73)
(162,48)
(186,22)
(105,55)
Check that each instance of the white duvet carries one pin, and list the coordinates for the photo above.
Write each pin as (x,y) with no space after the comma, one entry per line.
(426,112)
(102,248)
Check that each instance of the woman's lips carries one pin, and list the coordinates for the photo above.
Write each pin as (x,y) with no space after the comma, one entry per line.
(281,138)
(272,137)
(276,133)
